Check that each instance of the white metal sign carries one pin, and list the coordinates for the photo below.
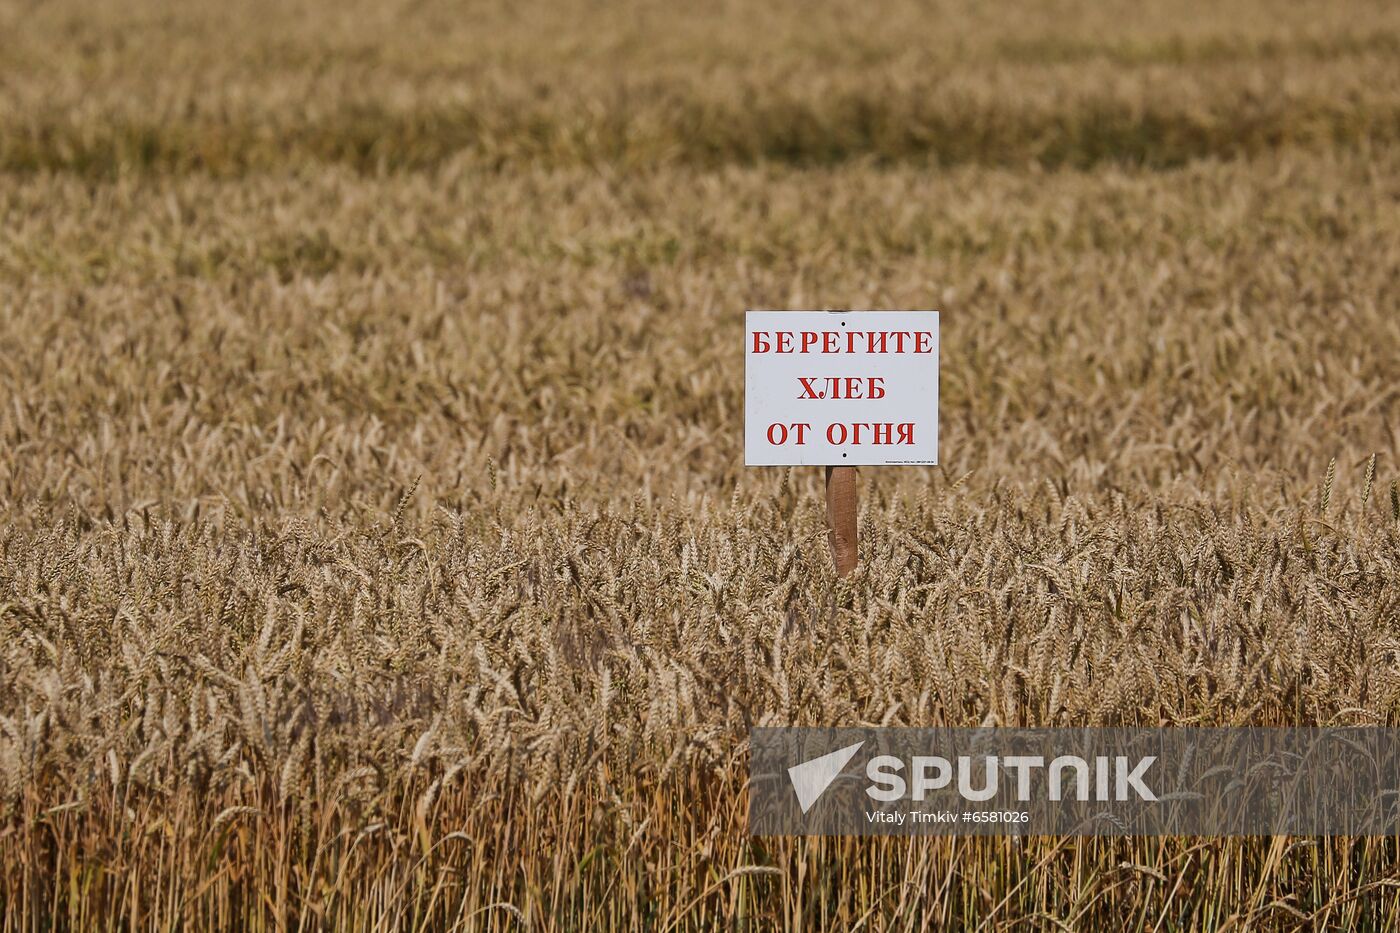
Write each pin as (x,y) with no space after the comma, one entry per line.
(841,388)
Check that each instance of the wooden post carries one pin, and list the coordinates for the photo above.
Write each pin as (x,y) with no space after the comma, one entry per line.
(841,517)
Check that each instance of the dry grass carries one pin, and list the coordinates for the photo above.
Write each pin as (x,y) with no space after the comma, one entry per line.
(375,548)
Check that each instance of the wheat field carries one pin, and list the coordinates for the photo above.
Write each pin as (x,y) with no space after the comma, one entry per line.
(375,546)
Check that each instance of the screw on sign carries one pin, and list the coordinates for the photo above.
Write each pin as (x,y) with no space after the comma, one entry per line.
(841,389)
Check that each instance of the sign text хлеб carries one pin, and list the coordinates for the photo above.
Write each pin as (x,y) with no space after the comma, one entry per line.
(841,388)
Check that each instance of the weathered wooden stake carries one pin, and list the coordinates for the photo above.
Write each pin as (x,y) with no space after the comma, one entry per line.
(841,517)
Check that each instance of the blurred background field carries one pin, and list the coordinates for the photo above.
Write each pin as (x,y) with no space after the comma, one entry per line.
(375,545)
